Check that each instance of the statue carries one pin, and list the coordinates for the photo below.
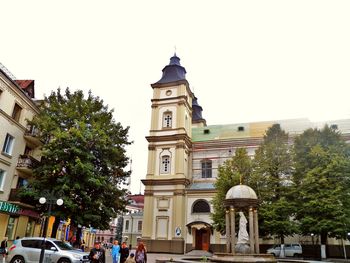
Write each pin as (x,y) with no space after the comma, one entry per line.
(242,245)
(243,237)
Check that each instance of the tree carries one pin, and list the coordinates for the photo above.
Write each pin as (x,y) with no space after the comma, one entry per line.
(271,180)
(229,174)
(322,179)
(83,158)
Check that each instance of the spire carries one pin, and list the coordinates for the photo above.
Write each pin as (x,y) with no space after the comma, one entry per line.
(173,72)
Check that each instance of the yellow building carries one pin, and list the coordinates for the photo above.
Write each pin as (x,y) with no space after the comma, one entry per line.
(19,151)
(184,154)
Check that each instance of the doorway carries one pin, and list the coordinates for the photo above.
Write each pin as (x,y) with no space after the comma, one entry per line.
(202,239)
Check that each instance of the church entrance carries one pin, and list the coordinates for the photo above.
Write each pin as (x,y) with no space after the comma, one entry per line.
(202,239)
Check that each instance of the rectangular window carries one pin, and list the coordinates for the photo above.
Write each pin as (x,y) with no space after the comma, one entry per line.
(16,114)
(206,169)
(8,145)
(2,179)
(127,225)
(11,228)
(139,226)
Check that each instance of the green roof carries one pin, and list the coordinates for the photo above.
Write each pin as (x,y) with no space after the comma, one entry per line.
(219,132)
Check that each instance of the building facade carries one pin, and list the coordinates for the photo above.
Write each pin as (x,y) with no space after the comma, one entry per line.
(133,220)
(184,154)
(20,149)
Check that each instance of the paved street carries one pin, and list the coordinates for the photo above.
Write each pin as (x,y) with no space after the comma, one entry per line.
(151,257)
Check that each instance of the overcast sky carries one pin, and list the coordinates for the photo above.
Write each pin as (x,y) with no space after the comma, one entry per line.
(245,60)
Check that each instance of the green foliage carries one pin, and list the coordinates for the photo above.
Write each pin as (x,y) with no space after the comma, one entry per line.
(271,180)
(229,175)
(322,177)
(83,158)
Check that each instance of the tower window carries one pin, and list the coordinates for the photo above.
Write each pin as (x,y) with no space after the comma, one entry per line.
(167,119)
(206,169)
(165,164)
(201,206)
(206,131)
(240,128)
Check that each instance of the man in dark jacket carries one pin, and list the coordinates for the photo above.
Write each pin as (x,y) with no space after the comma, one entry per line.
(124,252)
(97,254)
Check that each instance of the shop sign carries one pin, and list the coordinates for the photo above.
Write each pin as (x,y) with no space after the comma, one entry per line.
(27,212)
(8,207)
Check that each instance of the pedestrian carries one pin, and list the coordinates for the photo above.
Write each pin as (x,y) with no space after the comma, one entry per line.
(115,251)
(124,252)
(97,254)
(141,254)
(131,258)
(82,245)
(3,248)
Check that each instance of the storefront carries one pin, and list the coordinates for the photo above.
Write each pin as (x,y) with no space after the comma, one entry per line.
(18,221)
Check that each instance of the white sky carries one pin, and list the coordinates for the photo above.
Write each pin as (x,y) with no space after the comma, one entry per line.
(246,60)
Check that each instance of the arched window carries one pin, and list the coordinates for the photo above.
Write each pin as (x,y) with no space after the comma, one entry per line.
(201,206)
(167,119)
(206,168)
(165,165)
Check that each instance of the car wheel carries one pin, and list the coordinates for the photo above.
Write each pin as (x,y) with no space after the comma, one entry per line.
(64,260)
(18,259)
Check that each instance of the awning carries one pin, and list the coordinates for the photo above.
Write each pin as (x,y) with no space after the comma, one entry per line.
(199,225)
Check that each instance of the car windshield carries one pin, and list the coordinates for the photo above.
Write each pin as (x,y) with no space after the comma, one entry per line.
(63,245)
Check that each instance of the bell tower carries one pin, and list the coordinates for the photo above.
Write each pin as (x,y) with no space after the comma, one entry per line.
(168,172)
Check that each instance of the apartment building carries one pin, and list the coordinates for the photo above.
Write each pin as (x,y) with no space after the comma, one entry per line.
(20,150)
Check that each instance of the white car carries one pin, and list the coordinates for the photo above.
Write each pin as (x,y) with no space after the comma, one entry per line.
(28,249)
(290,250)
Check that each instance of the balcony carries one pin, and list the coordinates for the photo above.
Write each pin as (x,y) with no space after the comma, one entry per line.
(23,201)
(26,164)
(32,136)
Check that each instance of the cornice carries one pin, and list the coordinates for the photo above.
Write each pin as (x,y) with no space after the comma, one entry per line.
(172,181)
(174,137)
(10,119)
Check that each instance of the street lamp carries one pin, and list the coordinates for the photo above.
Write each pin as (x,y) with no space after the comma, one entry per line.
(50,200)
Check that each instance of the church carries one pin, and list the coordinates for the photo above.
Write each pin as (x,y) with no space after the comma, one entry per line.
(184,154)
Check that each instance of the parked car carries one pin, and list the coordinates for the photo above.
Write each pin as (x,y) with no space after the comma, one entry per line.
(27,250)
(290,250)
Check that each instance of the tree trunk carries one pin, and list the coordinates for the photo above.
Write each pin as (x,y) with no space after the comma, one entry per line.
(55,227)
(323,245)
(282,251)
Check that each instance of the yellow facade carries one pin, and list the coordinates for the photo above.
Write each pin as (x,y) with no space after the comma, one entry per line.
(19,149)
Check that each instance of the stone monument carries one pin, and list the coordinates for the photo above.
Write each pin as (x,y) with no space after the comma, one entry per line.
(242,199)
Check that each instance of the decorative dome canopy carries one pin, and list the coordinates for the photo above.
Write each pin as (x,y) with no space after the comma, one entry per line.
(241,192)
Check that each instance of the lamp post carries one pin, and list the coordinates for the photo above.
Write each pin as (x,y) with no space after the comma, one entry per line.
(50,200)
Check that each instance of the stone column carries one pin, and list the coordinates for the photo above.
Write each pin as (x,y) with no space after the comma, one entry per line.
(233,230)
(251,230)
(228,234)
(256,231)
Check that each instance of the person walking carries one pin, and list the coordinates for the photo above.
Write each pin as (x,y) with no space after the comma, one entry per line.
(82,245)
(3,249)
(115,251)
(124,252)
(97,254)
(141,254)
